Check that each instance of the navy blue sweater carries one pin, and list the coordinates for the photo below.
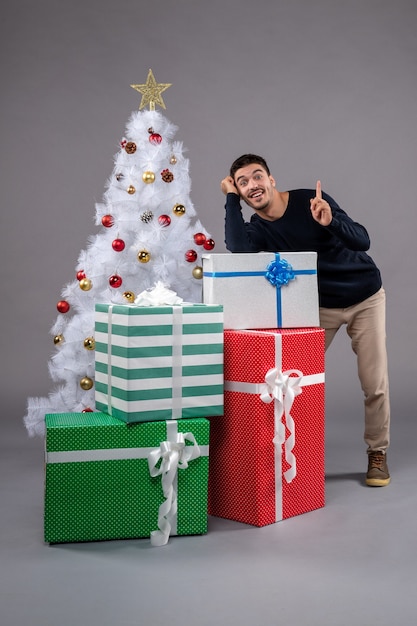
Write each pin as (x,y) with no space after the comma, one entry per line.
(346,273)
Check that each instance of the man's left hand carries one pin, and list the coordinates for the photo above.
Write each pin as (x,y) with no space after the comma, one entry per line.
(320,209)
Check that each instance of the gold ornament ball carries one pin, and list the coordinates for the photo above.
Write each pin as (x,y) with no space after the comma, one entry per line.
(179,209)
(89,343)
(86,383)
(85,284)
(129,296)
(148,177)
(131,189)
(173,159)
(198,272)
(144,256)
(58,339)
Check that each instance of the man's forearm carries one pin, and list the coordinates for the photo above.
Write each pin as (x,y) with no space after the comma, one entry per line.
(353,235)
(236,235)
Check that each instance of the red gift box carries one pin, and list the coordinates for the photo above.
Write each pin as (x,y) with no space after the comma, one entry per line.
(267,451)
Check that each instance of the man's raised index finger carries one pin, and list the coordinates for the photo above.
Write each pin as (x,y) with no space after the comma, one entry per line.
(318,189)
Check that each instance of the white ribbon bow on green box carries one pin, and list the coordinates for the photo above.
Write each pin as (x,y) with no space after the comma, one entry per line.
(173,454)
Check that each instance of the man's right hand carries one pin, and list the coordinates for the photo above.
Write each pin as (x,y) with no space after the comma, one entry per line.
(228,186)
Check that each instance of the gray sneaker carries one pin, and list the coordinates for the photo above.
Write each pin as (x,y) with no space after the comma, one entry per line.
(378,474)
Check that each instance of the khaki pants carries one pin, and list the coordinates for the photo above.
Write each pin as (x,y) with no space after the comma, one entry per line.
(365,325)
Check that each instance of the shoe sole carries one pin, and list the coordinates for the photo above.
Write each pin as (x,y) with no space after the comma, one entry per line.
(378,482)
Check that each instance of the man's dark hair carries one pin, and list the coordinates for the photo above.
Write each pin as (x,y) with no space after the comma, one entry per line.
(248,159)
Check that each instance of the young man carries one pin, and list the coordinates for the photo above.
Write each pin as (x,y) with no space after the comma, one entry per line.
(350,287)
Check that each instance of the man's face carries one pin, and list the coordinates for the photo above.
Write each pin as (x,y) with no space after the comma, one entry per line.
(255,187)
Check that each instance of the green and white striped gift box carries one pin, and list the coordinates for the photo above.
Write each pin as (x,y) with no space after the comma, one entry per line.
(159,362)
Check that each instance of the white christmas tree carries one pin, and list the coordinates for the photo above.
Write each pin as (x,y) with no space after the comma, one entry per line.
(149,234)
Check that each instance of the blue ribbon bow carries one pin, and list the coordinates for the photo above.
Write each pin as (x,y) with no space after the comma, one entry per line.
(279,272)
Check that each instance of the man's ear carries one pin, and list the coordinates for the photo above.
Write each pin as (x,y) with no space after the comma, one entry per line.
(272,179)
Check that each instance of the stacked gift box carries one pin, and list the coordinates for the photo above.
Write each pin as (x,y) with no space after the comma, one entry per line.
(267,450)
(241,374)
(103,479)
(139,465)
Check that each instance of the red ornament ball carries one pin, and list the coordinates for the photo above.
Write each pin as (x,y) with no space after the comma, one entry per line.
(164,220)
(87,410)
(199,238)
(118,245)
(155,139)
(115,281)
(107,221)
(209,244)
(191,256)
(63,306)
(80,274)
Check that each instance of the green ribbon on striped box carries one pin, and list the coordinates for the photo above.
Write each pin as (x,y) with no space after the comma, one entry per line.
(98,484)
(159,362)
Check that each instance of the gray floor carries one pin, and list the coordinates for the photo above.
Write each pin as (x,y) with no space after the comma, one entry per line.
(352,563)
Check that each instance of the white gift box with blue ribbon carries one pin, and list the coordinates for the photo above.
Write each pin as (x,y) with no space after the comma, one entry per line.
(263,289)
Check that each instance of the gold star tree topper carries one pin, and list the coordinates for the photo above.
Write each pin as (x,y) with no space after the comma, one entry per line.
(151,92)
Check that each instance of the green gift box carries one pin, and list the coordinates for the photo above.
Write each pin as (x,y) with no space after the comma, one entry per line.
(159,362)
(105,479)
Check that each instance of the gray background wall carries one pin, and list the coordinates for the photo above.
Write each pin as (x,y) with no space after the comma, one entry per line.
(322,88)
